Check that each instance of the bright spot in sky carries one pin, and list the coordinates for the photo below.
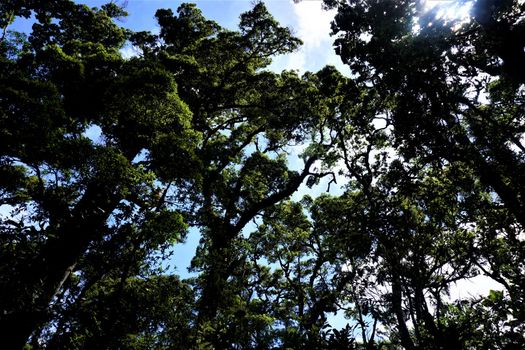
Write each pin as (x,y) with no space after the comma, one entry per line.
(449,9)
(456,11)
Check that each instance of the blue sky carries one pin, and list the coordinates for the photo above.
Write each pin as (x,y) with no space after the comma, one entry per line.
(308,22)
(306,19)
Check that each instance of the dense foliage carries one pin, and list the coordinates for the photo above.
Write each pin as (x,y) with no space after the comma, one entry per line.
(106,162)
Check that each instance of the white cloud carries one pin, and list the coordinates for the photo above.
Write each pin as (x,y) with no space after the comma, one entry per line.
(129,51)
(5,211)
(473,287)
(449,9)
(313,28)
(312,25)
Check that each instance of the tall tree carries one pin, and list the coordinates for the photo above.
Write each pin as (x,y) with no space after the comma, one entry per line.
(448,88)
(435,70)
(192,127)
(63,187)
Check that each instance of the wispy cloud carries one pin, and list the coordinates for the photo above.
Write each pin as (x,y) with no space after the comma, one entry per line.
(312,25)
(129,51)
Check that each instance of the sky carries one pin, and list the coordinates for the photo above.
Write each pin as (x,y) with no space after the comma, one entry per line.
(306,19)
(311,24)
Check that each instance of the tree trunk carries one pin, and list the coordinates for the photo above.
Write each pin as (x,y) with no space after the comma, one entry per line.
(404,335)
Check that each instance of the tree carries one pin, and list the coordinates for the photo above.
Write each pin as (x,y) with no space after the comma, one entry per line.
(247,117)
(193,128)
(63,187)
(434,76)
(194,131)
(450,93)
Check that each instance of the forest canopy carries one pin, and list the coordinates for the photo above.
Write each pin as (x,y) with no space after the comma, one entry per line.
(426,135)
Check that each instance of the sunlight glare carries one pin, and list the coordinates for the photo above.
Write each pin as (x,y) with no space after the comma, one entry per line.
(456,11)
(449,9)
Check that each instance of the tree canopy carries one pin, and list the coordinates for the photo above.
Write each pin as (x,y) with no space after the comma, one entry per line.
(195,132)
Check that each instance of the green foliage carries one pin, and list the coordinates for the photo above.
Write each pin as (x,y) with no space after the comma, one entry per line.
(195,132)
(131,313)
